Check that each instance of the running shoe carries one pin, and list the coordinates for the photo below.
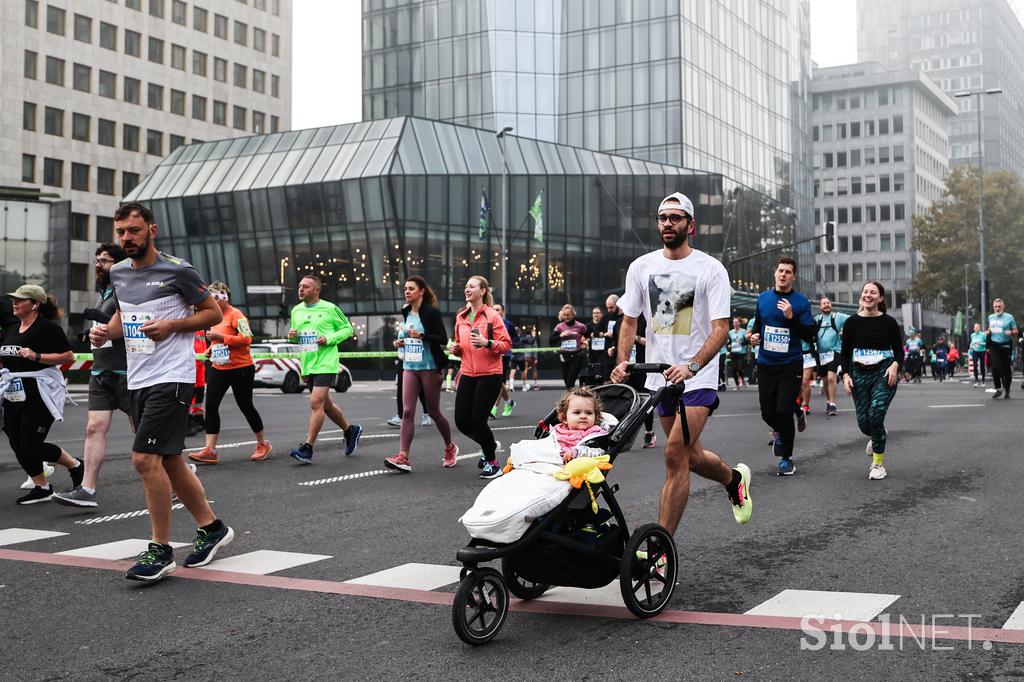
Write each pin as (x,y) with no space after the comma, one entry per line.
(76,497)
(262,451)
(490,470)
(47,472)
(153,564)
(876,473)
(494,412)
(483,458)
(650,440)
(425,420)
(77,474)
(207,543)
(1006,395)
(869,449)
(352,435)
(807,410)
(801,418)
(512,387)
(399,462)
(395,421)
(831,410)
(786,466)
(451,456)
(997,394)
(303,453)
(742,504)
(36,495)
(509,406)
(204,456)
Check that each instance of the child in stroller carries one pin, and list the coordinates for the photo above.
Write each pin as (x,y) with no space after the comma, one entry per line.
(543,546)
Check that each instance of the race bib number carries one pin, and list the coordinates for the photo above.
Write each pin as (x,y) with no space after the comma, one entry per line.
(569,345)
(15,391)
(826,357)
(809,361)
(775,339)
(108,344)
(868,356)
(220,354)
(134,340)
(413,350)
(597,343)
(997,327)
(307,341)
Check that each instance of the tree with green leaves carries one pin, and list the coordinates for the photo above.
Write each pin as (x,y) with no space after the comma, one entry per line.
(947,238)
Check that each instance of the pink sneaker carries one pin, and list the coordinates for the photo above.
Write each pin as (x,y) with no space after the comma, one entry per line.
(400,462)
(451,455)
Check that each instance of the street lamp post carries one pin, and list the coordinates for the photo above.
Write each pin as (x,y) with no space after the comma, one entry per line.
(504,216)
(981,191)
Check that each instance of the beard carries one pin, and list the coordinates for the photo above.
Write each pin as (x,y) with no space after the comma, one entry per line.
(102,279)
(141,249)
(674,241)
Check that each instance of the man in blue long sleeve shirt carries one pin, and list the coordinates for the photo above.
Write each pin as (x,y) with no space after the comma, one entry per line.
(782,320)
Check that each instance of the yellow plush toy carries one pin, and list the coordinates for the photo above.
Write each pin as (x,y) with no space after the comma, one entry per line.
(585,470)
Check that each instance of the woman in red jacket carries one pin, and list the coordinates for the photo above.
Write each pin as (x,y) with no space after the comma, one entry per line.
(480,339)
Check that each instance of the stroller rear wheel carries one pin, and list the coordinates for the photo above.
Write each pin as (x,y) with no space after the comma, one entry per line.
(480,606)
(518,585)
(647,575)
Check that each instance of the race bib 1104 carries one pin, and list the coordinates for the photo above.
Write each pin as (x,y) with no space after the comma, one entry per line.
(134,340)
(775,339)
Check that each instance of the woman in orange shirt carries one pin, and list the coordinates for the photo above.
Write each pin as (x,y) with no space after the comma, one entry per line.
(232,367)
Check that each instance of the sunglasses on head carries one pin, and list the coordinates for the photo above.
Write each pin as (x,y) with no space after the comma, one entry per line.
(671,218)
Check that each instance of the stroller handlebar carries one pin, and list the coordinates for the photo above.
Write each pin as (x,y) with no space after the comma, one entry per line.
(647,367)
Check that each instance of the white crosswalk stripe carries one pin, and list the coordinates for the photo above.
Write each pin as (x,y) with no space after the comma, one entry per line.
(1016,619)
(263,561)
(859,606)
(121,549)
(412,576)
(14,536)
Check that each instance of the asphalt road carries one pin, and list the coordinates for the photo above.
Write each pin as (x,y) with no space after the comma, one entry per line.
(940,536)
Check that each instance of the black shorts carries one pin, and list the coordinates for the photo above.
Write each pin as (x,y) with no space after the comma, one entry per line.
(519,362)
(108,391)
(159,414)
(321,380)
(506,367)
(833,367)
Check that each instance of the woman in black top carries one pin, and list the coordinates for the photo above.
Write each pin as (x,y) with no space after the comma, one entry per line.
(33,389)
(872,356)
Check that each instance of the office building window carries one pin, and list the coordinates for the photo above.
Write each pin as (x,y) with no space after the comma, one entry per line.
(199,18)
(55,18)
(855,214)
(31,64)
(174,141)
(258,122)
(104,229)
(241,33)
(220,26)
(132,90)
(154,142)
(275,86)
(129,181)
(156,8)
(178,54)
(844,272)
(241,75)
(81,77)
(238,117)
(220,70)
(105,180)
(261,5)
(53,172)
(884,212)
(28,168)
(897,123)
(106,131)
(32,13)
(28,116)
(178,102)
(108,36)
(898,182)
(275,45)
(275,124)
(259,80)
(900,243)
(132,43)
(83,28)
(54,71)
(259,39)
(897,153)
(80,124)
(198,108)
(80,177)
(156,50)
(276,5)
(899,211)
(198,63)
(179,11)
(130,137)
(883,126)
(79,221)
(53,121)
(155,96)
(858,272)
(220,113)
(133,4)
(107,84)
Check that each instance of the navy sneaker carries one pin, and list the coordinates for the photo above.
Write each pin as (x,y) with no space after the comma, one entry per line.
(303,453)
(482,462)
(491,470)
(352,435)
(786,466)
(153,564)
(206,544)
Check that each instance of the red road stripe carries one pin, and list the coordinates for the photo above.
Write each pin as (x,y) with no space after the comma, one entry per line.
(893,630)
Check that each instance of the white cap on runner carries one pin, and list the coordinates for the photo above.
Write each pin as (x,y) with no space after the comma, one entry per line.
(684,203)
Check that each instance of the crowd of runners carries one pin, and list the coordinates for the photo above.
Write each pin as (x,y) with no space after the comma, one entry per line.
(675,309)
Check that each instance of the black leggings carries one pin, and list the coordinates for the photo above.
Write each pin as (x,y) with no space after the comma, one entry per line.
(999,365)
(737,367)
(572,365)
(26,424)
(240,381)
(978,360)
(777,388)
(473,403)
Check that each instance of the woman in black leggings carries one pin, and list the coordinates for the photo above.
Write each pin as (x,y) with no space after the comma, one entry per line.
(570,335)
(232,367)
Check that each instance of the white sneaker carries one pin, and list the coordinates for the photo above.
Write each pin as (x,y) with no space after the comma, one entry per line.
(47,472)
(876,472)
(395,421)
(511,388)
(868,450)
(498,447)
(425,420)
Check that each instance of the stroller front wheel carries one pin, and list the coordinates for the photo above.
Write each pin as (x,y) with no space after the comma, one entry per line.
(480,606)
(647,574)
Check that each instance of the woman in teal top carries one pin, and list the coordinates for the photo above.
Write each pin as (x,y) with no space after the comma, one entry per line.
(979,340)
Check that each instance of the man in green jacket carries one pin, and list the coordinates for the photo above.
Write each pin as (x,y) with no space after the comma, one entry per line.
(319,326)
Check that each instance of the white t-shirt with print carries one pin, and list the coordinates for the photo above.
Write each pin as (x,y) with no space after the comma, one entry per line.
(679,299)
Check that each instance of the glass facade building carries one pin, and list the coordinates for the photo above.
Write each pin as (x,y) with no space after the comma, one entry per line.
(366,205)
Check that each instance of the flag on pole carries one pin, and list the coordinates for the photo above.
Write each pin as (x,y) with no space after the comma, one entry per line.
(537,213)
(485,210)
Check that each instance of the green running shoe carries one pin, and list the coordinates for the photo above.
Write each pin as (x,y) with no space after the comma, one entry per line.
(742,504)
(509,406)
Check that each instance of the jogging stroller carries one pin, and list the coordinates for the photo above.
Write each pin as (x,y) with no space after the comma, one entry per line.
(571,546)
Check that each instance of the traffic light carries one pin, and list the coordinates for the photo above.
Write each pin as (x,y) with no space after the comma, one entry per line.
(830,237)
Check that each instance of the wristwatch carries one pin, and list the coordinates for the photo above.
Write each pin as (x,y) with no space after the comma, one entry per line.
(693,366)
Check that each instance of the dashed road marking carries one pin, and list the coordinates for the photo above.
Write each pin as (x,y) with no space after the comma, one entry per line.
(348,477)
(943,407)
(124,515)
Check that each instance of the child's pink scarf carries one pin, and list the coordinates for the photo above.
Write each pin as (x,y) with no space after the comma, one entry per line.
(569,438)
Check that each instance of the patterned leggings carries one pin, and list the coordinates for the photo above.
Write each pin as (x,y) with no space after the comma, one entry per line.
(871,396)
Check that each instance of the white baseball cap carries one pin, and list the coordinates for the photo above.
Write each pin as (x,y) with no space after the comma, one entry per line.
(679,201)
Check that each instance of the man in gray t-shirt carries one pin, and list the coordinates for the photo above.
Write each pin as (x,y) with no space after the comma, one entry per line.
(161,302)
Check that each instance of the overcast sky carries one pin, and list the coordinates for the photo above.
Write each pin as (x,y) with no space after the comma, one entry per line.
(327,67)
